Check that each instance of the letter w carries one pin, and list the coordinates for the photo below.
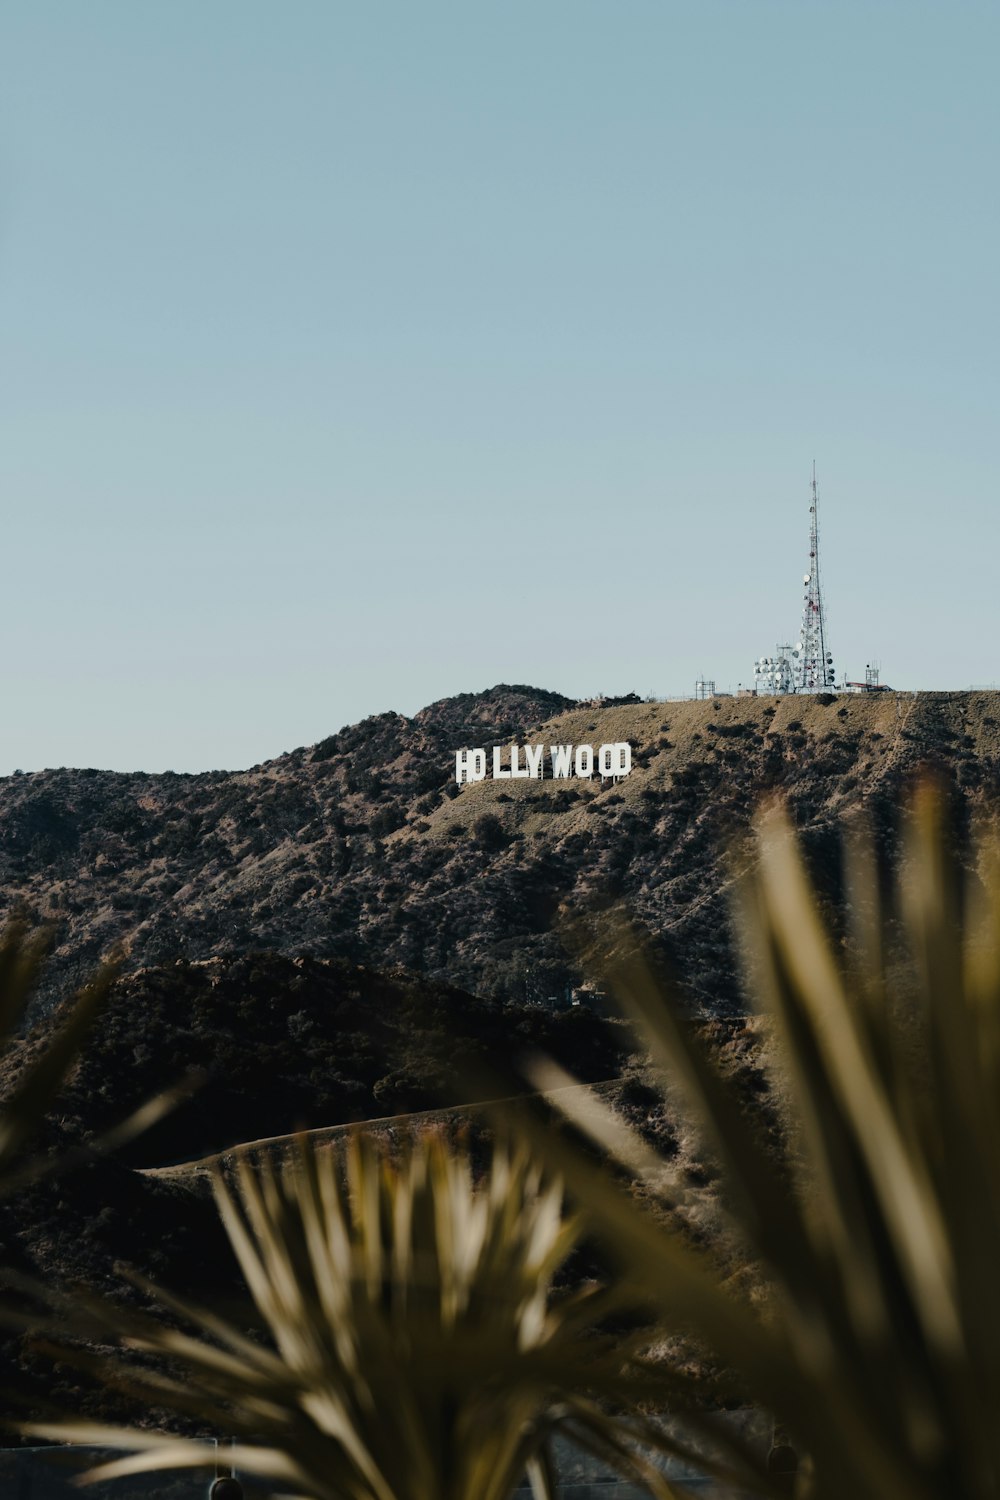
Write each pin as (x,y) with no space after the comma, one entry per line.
(562,760)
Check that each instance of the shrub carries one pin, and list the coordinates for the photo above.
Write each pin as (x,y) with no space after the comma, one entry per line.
(878,1230)
(489,832)
(410,1345)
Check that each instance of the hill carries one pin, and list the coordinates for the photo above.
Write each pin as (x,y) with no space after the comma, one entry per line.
(284,1044)
(341,933)
(363,849)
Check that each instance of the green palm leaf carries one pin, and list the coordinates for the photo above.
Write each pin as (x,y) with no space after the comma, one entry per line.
(879,1235)
(22,958)
(415,1349)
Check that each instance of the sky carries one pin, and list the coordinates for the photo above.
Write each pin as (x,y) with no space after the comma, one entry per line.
(352,356)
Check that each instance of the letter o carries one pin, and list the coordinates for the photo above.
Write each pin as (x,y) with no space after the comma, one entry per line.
(615,760)
(584,760)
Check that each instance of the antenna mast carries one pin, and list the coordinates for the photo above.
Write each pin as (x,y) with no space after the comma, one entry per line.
(815,664)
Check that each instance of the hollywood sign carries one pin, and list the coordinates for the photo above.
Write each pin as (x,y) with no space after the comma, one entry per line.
(527,762)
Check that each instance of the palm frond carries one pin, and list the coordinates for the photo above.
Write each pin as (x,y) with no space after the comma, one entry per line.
(22,960)
(416,1345)
(22,957)
(879,1234)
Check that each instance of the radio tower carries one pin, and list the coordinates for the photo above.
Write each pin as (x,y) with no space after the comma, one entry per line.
(815,664)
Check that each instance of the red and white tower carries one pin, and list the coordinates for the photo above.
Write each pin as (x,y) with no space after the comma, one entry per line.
(806,667)
(813,668)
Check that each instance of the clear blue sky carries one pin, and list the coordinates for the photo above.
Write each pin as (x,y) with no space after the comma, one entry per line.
(352,355)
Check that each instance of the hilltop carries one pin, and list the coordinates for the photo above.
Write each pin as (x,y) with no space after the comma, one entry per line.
(344,934)
(363,849)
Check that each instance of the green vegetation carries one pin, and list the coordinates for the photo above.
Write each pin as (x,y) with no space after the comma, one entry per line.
(36,1065)
(42,1070)
(415,1348)
(828,1254)
(877,1233)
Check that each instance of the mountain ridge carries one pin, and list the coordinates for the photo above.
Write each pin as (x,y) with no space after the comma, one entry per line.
(363,848)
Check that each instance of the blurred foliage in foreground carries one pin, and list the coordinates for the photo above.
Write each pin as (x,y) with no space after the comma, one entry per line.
(878,1235)
(43,1060)
(413,1345)
(44,1068)
(416,1348)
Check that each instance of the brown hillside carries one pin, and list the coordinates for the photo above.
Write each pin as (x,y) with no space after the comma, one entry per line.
(362,848)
